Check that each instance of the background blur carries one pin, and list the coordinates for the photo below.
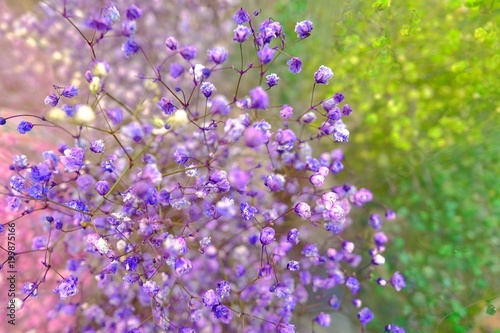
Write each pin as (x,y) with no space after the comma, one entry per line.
(422,79)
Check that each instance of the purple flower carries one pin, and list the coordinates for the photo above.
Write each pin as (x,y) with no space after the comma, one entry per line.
(207,89)
(365,316)
(259,98)
(188,52)
(183,266)
(171,43)
(303,210)
(30,288)
(303,29)
(97,146)
(361,197)
(210,298)
(133,12)
(294,65)
(267,235)
(115,115)
(293,236)
(217,55)
(223,313)
(375,221)
(272,80)
(247,211)
(223,289)
(51,100)
(323,319)
(130,47)
(24,127)
(73,159)
(166,105)
(398,281)
(285,328)
(352,284)
(241,16)
(285,140)
(286,112)
(346,110)
(151,288)
(275,182)
(323,74)
(293,266)
(67,288)
(265,55)
(392,328)
(69,91)
(128,28)
(102,187)
(176,70)
(241,33)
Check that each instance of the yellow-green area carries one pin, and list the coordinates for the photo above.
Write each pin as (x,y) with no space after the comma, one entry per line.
(422,79)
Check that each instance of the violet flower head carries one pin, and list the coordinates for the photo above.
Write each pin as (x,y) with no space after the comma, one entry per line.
(323,319)
(51,100)
(365,316)
(241,33)
(241,16)
(67,288)
(267,235)
(207,89)
(171,43)
(73,159)
(272,80)
(303,29)
(259,98)
(188,52)
(398,281)
(294,65)
(69,91)
(133,12)
(265,55)
(217,55)
(323,75)
(24,127)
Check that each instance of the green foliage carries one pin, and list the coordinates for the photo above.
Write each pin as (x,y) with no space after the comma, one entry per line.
(422,78)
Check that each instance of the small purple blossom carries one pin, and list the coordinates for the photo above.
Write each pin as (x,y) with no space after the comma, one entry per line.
(207,89)
(188,52)
(272,80)
(51,100)
(241,33)
(398,281)
(267,235)
(97,146)
(265,55)
(241,16)
(171,43)
(217,55)
(133,12)
(323,319)
(294,65)
(365,316)
(69,91)
(24,127)
(303,210)
(259,98)
(303,29)
(73,159)
(67,288)
(323,75)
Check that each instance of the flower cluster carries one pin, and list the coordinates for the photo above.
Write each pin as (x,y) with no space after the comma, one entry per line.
(194,205)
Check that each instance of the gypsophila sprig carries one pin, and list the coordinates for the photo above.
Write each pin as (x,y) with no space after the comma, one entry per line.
(176,202)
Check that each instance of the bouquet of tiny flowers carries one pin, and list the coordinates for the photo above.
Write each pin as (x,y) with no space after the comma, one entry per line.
(180,195)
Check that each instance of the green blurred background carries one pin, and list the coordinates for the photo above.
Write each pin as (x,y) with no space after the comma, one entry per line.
(422,79)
